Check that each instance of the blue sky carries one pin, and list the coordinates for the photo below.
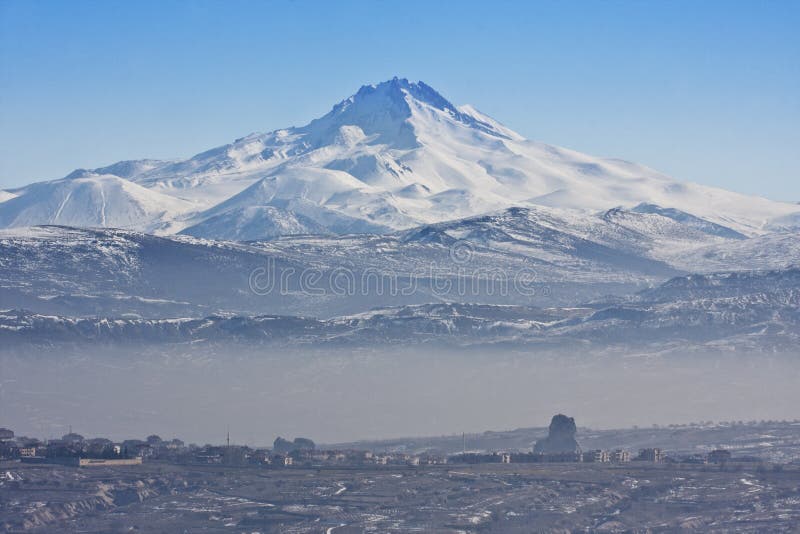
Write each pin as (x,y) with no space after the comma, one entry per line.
(705,91)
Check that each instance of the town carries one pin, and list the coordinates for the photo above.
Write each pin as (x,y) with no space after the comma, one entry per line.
(560,446)
(153,484)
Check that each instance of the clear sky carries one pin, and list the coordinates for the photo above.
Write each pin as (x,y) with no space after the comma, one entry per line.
(707,91)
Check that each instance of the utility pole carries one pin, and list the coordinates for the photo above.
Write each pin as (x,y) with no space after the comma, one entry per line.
(464,438)
(227,457)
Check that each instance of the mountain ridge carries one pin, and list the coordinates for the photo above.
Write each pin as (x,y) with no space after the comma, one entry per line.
(567,259)
(755,310)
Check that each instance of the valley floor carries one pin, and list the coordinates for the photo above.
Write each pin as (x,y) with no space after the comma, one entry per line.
(156,497)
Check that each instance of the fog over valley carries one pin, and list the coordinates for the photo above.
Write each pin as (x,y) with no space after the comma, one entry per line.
(335,395)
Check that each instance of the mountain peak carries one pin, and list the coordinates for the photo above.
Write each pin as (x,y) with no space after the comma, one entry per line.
(395,93)
(400,87)
(384,110)
(380,110)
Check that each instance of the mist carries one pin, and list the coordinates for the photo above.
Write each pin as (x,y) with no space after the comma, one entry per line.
(197,394)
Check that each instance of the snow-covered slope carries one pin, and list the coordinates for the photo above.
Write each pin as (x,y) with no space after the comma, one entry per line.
(527,256)
(5,195)
(393,156)
(92,200)
(293,203)
(250,223)
(765,252)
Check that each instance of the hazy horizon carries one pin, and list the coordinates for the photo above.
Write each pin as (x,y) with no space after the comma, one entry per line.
(340,395)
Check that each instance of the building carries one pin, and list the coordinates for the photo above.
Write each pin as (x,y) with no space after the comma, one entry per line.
(96,462)
(175,444)
(598,455)
(75,461)
(320,456)
(505,458)
(651,455)
(27,452)
(136,447)
(619,456)
(261,457)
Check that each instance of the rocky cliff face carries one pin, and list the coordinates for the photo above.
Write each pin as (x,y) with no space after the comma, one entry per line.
(561,437)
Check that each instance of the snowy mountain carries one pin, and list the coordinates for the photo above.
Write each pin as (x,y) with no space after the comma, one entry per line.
(393,156)
(397,215)
(92,200)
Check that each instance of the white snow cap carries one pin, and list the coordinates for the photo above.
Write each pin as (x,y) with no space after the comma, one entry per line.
(392,156)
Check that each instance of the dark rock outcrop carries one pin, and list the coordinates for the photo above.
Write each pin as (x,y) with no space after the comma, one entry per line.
(561,437)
